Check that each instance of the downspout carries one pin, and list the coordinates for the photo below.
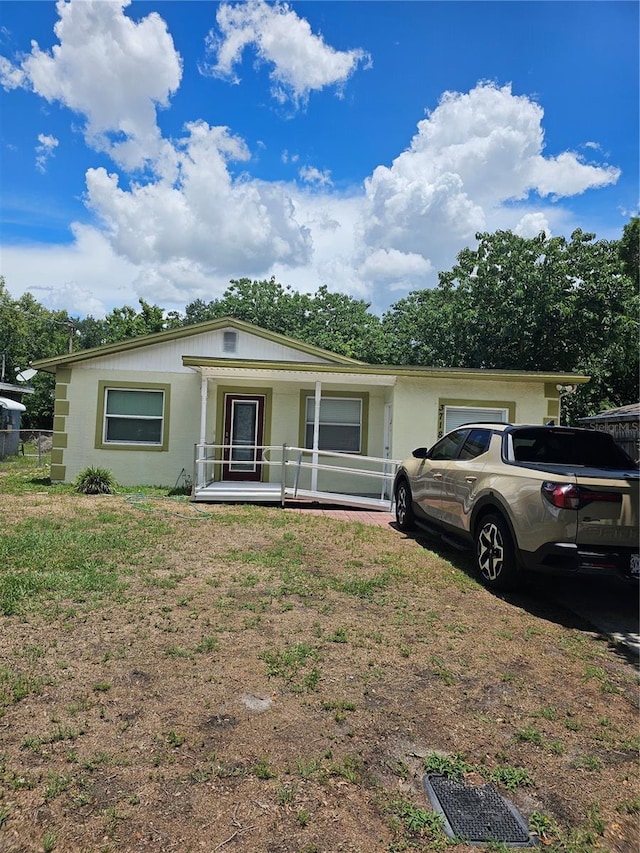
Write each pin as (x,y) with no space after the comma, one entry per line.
(316,436)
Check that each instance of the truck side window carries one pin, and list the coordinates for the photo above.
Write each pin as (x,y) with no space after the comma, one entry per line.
(476,444)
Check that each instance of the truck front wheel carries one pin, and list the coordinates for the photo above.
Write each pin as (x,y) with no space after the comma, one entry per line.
(405,518)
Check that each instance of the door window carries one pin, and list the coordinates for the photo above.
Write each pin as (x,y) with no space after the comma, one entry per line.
(244,435)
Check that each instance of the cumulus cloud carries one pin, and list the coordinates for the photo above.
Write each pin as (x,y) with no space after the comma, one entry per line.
(300,61)
(11,76)
(44,150)
(473,154)
(311,175)
(109,69)
(568,174)
(204,216)
(393,269)
(86,277)
(531,225)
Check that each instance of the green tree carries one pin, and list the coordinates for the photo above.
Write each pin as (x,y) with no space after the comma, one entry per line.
(29,331)
(544,303)
(630,250)
(125,322)
(333,321)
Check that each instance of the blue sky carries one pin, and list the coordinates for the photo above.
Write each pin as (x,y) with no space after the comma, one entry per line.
(157,150)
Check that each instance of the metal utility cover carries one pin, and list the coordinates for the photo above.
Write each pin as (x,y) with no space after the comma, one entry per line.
(478,815)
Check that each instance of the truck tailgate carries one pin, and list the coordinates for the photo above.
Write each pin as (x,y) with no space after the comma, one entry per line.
(611,509)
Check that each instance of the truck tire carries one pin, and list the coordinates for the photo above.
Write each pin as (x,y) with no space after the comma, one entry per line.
(495,553)
(405,519)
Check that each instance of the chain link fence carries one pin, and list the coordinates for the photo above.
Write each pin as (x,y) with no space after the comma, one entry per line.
(33,443)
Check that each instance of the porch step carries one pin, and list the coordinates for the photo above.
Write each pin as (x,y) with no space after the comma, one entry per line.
(227,492)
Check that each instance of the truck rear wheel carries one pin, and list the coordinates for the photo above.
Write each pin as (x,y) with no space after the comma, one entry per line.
(495,553)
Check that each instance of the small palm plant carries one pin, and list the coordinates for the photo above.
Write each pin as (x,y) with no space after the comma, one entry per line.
(95,481)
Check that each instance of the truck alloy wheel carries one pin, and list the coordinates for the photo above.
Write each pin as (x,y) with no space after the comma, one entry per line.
(495,554)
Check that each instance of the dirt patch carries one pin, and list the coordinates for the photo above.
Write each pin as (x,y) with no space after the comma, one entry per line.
(268,681)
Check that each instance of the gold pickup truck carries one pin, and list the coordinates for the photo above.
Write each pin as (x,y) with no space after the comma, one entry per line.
(526,498)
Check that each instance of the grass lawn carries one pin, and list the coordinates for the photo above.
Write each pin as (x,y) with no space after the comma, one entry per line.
(176,677)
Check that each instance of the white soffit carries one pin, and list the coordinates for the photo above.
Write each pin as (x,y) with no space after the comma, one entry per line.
(299,376)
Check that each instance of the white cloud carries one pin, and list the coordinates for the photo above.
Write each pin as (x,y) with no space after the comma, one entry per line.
(568,175)
(109,69)
(84,278)
(204,217)
(311,175)
(471,156)
(301,61)
(11,76)
(393,269)
(44,150)
(531,225)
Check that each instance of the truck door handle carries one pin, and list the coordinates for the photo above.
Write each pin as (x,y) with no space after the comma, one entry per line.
(471,479)
(437,476)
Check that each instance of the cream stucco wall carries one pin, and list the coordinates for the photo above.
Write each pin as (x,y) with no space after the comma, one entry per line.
(134,466)
(138,465)
(416,403)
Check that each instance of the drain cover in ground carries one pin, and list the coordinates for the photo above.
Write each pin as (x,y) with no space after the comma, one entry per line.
(477,815)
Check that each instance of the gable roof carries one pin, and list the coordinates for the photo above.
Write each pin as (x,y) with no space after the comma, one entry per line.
(51,363)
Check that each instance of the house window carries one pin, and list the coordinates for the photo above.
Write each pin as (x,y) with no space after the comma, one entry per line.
(133,416)
(455,416)
(340,424)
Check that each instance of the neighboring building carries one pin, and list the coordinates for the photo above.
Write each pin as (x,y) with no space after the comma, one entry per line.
(622,423)
(140,407)
(11,410)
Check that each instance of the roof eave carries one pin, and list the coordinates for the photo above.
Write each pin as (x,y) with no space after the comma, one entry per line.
(378,369)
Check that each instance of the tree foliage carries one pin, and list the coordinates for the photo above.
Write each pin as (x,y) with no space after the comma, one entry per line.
(333,321)
(543,304)
(29,331)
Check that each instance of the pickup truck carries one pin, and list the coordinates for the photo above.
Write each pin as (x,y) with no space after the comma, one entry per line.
(526,498)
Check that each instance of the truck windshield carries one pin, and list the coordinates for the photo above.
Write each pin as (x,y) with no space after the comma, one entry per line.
(589,449)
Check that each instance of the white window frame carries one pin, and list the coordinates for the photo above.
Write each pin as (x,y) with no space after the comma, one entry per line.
(473,414)
(108,442)
(334,399)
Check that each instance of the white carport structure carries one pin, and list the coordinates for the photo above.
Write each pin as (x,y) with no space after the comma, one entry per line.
(10,414)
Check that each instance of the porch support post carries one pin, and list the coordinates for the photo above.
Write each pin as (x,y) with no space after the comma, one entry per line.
(204,393)
(316,436)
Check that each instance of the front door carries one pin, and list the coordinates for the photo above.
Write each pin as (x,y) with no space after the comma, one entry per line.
(243,436)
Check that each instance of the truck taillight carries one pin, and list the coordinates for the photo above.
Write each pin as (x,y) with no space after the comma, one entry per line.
(570,496)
